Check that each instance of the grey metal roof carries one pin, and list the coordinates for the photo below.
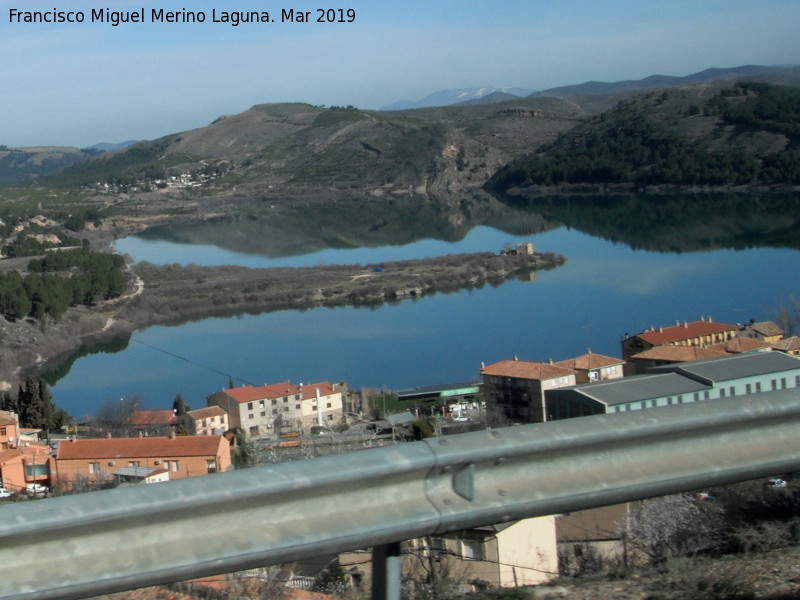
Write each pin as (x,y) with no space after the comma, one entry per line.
(447,389)
(734,366)
(638,387)
(136,471)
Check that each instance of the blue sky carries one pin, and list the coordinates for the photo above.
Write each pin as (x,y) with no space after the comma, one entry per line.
(79,84)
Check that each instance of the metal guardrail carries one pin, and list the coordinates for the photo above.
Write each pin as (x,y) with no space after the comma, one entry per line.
(98,543)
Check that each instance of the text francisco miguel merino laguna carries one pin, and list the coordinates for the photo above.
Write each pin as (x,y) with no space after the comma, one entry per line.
(159,15)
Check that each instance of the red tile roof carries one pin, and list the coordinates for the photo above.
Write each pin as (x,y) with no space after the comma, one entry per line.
(206,413)
(764,328)
(589,361)
(679,353)
(144,418)
(523,369)
(686,331)
(790,344)
(144,447)
(248,393)
(741,344)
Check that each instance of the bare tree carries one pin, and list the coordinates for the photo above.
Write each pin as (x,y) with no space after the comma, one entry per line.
(673,526)
(114,416)
(787,316)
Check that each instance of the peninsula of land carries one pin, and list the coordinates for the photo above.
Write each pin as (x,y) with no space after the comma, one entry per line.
(171,294)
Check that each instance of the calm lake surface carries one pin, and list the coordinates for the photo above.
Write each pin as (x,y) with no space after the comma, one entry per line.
(603,291)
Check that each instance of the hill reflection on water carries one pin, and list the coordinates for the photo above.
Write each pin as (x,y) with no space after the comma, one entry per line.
(621,277)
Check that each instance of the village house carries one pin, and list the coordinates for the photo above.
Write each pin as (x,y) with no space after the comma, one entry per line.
(702,333)
(790,345)
(589,537)
(514,389)
(764,331)
(153,422)
(101,459)
(212,420)
(22,461)
(9,424)
(511,554)
(738,345)
(280,406)
(638,364)
(594,367)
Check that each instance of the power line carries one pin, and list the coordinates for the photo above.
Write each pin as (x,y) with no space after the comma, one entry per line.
(193,362)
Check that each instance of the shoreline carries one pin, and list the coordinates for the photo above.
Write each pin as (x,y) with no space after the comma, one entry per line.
(172,295)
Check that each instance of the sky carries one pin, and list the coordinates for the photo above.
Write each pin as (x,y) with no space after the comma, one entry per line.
(77,84)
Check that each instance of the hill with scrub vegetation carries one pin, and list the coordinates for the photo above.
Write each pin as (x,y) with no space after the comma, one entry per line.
(701,135)
(300,149)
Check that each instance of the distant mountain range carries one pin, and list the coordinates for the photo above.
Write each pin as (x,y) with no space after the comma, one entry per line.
(108,146)
(768,74)
(786,75)
(449,97)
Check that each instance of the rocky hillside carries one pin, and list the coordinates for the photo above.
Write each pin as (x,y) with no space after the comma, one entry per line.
(301,149)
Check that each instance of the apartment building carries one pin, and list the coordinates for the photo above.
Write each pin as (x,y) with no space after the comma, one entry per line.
(280,406)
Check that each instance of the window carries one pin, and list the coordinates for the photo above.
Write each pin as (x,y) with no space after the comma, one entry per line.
(732,390)
(133,463)
(472,550)
(758,386)
(274,401)
(175,466)
(249,406)
(721,392)
(680,399)
(329,404)
(263,413)
(783,383)
(748,388)
(297,407)
(250,416)
(696,396)
(774,384)
(260,404)
(706,394)
(285,409)
(94,468)
(3,431)
(211,466)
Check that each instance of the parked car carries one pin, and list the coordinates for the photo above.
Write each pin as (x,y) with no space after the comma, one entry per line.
(36,488)
(4,493)
(776,482)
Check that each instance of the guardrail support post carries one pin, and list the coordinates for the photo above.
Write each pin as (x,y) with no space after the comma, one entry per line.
(386,572)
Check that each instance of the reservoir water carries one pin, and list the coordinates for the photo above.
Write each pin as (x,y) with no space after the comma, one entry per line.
(605,289)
